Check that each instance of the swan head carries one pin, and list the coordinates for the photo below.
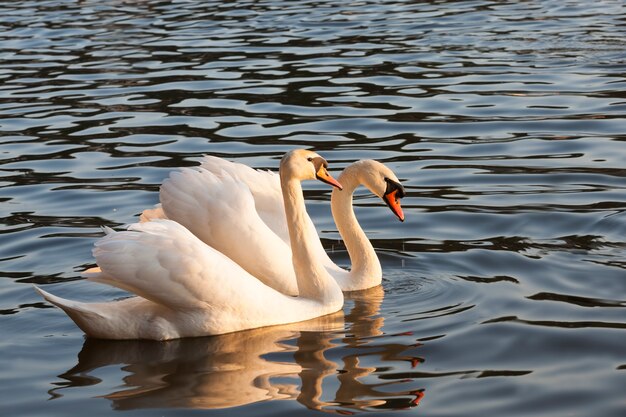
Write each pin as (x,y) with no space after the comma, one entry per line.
(381,181)
(303,164)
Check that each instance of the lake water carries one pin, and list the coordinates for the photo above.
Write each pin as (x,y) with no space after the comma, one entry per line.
(504,290)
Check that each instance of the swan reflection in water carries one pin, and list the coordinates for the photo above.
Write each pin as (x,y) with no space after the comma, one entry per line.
(272,363)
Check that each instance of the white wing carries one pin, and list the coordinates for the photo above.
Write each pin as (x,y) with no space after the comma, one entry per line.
(214,203)
(221,211)
(264,186)
(165,263)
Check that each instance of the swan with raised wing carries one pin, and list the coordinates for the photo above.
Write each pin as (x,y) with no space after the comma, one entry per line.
(187,197)
(187,288)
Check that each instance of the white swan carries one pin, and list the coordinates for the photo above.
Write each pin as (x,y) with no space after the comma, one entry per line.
(366,271)
(257,239)
(186,288)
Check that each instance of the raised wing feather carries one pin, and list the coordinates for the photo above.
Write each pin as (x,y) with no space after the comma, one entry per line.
(240,212)
(221,211)
(165,263)
(267,193)
(264,186)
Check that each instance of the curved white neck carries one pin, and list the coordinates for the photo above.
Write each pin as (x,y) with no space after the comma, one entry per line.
(366,270)
(313,280)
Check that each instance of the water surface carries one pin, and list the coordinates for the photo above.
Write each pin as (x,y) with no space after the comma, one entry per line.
(504,290)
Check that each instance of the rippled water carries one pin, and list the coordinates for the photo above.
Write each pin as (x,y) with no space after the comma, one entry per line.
(504,290)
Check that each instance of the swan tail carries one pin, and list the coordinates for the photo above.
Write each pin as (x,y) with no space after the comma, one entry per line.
(151,214)
(91,272)
(129,318)
(87,316)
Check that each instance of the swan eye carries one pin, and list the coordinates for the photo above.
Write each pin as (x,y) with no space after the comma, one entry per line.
(309,159)
(394,186)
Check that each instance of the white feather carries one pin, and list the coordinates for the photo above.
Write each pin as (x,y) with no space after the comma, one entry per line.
(185,287)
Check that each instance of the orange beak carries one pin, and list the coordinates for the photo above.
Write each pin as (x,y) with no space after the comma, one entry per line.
(323,175)
(393,201)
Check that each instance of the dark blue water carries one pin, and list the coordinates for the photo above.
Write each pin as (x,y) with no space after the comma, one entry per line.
(504,290)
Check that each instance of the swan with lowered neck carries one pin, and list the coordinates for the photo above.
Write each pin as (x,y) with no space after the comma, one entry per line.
(186,197)
(187,288)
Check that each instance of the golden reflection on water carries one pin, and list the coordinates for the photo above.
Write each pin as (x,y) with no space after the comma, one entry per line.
(288,362)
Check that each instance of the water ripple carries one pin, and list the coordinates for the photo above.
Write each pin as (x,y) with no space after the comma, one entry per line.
(504,121)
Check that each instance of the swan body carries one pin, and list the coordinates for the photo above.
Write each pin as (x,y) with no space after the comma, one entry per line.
(186,288)
(187,197)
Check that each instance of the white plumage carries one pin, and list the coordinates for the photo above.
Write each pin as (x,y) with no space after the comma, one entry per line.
(256,235)
(185,287)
